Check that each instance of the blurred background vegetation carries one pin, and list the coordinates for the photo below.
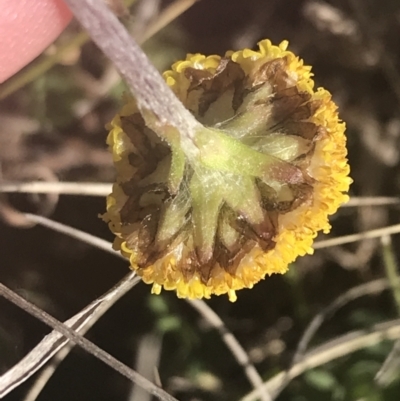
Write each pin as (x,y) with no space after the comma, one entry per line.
(53,128)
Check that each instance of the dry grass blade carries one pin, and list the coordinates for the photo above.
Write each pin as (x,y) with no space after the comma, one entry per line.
(80,322)
(84,343)
(170,13)
(390,366)
(330,351)
(53,342)
(147,361)
(104,188)
(234,346)
(104,303)
(347,239)
(62,188)
(371,288)
(391,268)
(358,201)
(74,233)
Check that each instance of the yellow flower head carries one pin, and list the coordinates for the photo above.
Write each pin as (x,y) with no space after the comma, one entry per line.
(271,168)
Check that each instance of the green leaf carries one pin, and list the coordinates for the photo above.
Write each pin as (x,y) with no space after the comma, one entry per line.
(321,380)
(169,323)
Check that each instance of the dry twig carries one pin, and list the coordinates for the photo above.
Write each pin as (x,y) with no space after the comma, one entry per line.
(84,343)
(330,351)
(234,346)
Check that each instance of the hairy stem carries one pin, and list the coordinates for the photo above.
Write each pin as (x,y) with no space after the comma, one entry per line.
(160,108)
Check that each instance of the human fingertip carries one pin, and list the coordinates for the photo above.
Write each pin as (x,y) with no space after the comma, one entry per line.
(26,28)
